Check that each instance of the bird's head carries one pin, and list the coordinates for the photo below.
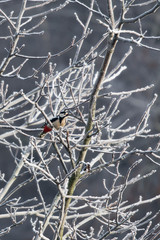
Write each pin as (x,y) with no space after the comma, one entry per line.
(64,114)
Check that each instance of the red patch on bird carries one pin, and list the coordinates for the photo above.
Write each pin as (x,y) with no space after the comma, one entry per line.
(47,129)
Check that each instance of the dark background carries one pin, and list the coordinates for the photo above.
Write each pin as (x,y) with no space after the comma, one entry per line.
(143,68)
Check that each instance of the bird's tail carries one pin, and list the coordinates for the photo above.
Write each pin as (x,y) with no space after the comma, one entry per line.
(42,134)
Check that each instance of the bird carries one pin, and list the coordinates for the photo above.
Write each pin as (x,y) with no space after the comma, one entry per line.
(57,122)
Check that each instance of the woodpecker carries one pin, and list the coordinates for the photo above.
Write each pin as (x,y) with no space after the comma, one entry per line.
(57,122)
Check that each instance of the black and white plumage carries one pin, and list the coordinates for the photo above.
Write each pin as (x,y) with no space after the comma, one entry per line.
(57,122)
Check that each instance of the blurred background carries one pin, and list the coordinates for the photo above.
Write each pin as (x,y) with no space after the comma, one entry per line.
(143,68)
